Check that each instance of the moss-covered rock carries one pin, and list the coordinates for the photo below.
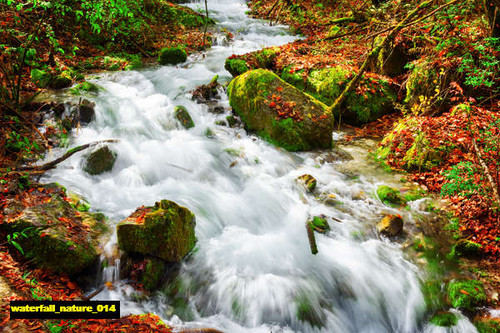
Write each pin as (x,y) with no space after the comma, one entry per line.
(236,66)
(164,231)
(183,116)
(445,319)
(308,182)
(40,77)
(153,272)
(389,195)
(279,112)
(86,86)
(266,57)
(172,55)
(61,81)
(371,100)
(57,236)
(391,225)
(488,326)
(466,294)
(99,161)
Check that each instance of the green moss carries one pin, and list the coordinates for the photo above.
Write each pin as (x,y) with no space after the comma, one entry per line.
(172,55)
(414,194)
(420,86)
(466,294)
(236,66)
(153,273)
(319,224)
(40,77)
(182,114)
(295,78)
(61,81)
(250,97)
(389,195)
(465,248)
(421,156)
(446,319)
(266,57)
(100,161)
(232,121)
(85,87)
(167,232)
(488,326)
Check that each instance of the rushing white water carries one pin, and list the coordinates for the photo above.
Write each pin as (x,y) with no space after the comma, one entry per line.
(253,270)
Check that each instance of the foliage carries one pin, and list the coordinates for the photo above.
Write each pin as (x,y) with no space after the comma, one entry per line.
(466,294)
(461,180)
(11,239)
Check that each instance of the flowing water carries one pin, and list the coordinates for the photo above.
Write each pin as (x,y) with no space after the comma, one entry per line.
(252,270)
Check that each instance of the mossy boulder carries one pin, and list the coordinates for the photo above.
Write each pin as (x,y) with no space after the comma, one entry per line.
(389,195)
(391,225)
(100,161)
(236,66)
(86,111)
(392,59)
(164,231)
(410,145)
(279,112)
(373,98)
(172,55)
(40,77)
(152,273)
(266,58)
(445,319)
(61,81)
(308,182)
(55,235)
(183,116)
(466,294)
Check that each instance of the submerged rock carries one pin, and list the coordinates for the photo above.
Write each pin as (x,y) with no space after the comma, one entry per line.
(164,231)
(183,116)
(55,234)
(308,181)
(391,225)
(279,112)
(100,161)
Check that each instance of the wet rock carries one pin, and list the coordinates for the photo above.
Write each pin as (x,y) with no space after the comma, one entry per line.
(55,235)
(172,56)
(308,181)
(61,81)
(391,225)
(389,195)
(100,161)
(221,123)
(207,92)
(164,231)
(233,121)
(236,66)
(86,112)
(279,112)
(465,248)
(183,116)
(216,109)
(444,319)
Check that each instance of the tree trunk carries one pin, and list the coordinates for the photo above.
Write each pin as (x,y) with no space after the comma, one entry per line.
(492,9)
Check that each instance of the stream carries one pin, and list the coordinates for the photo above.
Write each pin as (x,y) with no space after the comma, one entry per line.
(252,270)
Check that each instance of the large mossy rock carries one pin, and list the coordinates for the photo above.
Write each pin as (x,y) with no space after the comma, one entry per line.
(172,55)
(99,161)
(164,231)
(279,112)
(371,100)
(56,234)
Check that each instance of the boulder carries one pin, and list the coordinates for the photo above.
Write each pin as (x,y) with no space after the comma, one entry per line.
(172,55)
(371,100)
(279,112)
(55,235)
(61,81)
(389,195)
(391,225)
(207,92)
(165,231)
(183,116)
(308,181)
(236,66)
(87,112)
(99,161)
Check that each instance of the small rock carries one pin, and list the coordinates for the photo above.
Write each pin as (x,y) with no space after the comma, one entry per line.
(172,56)
(182,114)
(233,121)
(87,112)
(221,123)
(308,181)
(99,161)
(391,225)
(207,92)
(216,109)
(389,195)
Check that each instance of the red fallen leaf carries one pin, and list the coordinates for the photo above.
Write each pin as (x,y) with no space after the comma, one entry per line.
(272,104)
(464,292)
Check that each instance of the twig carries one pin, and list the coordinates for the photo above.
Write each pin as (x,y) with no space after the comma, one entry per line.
(312,238)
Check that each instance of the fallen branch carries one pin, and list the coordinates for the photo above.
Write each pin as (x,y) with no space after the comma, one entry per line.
(65,156)
(486,170)
(312,238)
